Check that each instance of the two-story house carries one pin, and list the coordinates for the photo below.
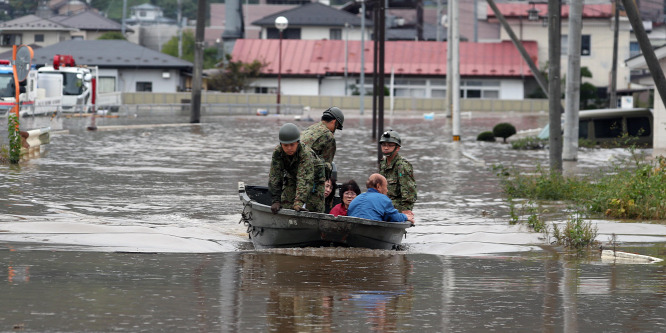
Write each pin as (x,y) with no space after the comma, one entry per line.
(314,61)
(596,41)
(152,29)
(41,32)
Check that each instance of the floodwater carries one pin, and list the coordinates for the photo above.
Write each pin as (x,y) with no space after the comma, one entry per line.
(136,229)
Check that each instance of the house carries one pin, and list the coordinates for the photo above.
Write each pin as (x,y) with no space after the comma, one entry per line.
(314,21)
(90,24)
(147,14)
(153,30)
(597,38)
(317,67)
(123,66)
(32,30)
(41,32)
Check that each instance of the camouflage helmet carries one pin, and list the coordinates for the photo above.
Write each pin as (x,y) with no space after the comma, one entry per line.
(391,136)
(336,113)
(289,133)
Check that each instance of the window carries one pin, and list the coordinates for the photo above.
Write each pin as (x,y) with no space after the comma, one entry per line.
(639,126)
(608,128)
(144,86)
(77,37)
(10,39)
(336,34)
(261,90)
(106,84)
(39,38)
(583,131)
(634,49)
(142,13)
(289,33)
(585,45)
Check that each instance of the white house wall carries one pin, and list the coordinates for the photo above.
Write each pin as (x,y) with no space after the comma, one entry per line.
(129,77)
(508,89)
(599,62)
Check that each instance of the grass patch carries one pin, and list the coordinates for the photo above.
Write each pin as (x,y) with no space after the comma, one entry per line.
(576,234)
(626,190)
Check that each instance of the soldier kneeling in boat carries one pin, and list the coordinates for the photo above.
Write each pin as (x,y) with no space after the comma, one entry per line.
(297,175)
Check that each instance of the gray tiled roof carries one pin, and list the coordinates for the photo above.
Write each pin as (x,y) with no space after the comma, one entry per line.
(88,20)
(33,22)
(109,54)
(313,14)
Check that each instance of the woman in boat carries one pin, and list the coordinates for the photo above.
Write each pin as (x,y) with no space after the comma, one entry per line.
(329,195)
(348,191)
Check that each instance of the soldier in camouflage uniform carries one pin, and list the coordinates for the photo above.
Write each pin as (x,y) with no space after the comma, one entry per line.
(398,172)
(320,136)
(296,179)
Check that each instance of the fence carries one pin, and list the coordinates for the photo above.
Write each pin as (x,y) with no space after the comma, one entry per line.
(344,102)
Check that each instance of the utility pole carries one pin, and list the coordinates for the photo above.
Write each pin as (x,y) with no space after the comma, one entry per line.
(122,29)
(380,84)
(195,113)
(439,32)
(612,103)
(455,69)
(180,29)
(554,96)
(572,96)
(449,60)
(362,79)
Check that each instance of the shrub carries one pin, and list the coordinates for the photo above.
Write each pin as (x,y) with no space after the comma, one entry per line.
(528,143)
(504,130)
(487,136)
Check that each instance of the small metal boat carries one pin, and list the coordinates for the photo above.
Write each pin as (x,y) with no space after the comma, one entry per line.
(289,228)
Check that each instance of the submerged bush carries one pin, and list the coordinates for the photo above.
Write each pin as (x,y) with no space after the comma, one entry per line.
(576,234)
(529,143)
(504,130)
(487,136)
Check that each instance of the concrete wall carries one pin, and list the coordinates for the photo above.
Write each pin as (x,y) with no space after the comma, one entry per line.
(344,102)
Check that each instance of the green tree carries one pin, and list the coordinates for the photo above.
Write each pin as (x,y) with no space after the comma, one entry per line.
(22,7)
(112,35)
(171,48)
(235,76)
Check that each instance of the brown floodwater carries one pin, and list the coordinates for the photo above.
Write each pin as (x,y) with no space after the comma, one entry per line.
(136,229)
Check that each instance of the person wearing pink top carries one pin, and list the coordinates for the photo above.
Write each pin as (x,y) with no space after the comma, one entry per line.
(348,191)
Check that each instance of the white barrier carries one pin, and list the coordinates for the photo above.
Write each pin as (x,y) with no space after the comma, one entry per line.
(627,258)
(32,141)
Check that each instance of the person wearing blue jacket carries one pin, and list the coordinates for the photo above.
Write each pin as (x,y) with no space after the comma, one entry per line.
(375,204)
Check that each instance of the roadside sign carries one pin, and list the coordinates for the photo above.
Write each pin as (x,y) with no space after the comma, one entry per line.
(23,62)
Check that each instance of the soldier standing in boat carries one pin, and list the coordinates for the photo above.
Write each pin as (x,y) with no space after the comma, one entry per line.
(320,136)
(398,172)
(296,179)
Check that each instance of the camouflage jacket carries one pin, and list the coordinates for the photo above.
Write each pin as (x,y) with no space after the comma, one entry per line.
(401,183)
(297,179)
(321,140)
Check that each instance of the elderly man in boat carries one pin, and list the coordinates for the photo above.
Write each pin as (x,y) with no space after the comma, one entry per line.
(296,179)
(375,204)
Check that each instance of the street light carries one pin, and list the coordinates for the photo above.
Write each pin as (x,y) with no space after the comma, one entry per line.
(281,23)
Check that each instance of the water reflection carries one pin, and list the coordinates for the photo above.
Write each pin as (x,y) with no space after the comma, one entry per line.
(324,290)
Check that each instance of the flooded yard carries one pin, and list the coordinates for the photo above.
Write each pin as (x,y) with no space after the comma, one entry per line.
(135,228)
